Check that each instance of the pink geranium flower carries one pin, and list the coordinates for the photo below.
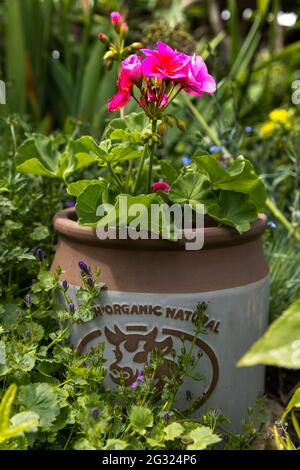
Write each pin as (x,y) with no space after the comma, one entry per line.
(198,79)
(161,186)
(165,62)
(119,100)
(116,18)
(131,72)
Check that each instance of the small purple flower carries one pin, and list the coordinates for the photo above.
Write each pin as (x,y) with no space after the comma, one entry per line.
(90,282)
(28,334)
(272,224)
(216,412)
(28,299)
(216,149)
(140,378)
(72,308)
(249,130)
(65,284)
(186,160)
(166,416)
(70,204)
(40,255)
(95,413)
(84,268)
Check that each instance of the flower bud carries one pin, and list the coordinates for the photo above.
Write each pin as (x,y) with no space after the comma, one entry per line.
(162,128)
(90,282)
(28,299)
(39,254)
(95,413)
(84,268)
(116,18)
(169,120)
(104,39)
(72,308)
(136,45)
(124,29)
(65,284)
(181,125)
(108,55)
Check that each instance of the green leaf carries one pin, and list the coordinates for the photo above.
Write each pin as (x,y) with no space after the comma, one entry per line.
(41,398)
(192,188)
(40,155)
(202,437)
(240,177)
(3,366)
(169,172)
(280,345)
(40,233)
(76,188)
(108,154)
(92,146)
(141,418)
(28,418)
(117,217)
(37,155)
(88,202)
(233,209)
(15,62)
(47,280)
(132,128)
(115,444)
(293,403)
(173,431)
(8,315)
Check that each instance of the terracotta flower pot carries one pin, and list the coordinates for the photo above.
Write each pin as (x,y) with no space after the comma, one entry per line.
(153,287)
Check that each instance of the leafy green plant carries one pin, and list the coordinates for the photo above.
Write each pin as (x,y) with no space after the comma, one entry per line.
(65,392)
(280,346)
(14,426)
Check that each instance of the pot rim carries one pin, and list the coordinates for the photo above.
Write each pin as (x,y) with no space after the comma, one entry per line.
(67,227)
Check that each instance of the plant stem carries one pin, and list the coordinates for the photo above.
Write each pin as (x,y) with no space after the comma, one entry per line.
(282,219)
(202,121)
(140,169)
(210,132)
(115,177)
(151,155)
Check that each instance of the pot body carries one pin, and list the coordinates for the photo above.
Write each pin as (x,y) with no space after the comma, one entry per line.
(153,288)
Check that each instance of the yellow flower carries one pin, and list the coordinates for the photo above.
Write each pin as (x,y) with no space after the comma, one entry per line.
(280,116)
(267,128)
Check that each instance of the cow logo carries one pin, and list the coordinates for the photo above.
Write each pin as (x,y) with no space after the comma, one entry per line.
(132,350)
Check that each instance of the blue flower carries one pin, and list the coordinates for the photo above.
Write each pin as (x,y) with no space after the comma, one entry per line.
(216,412)
(216,149)
(272,224)
(39,254)
(65,284)
(90,282)
(72,308)
(70,204)
(186,160)
(28,299)
(140,378)
(95,413)
(248,129)
(84,268)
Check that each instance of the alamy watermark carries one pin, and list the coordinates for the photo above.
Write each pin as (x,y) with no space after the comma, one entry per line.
(2,92)
(156,221)
(296,88)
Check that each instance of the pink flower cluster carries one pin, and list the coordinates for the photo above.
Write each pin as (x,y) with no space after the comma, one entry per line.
(158,74)
(118,23)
